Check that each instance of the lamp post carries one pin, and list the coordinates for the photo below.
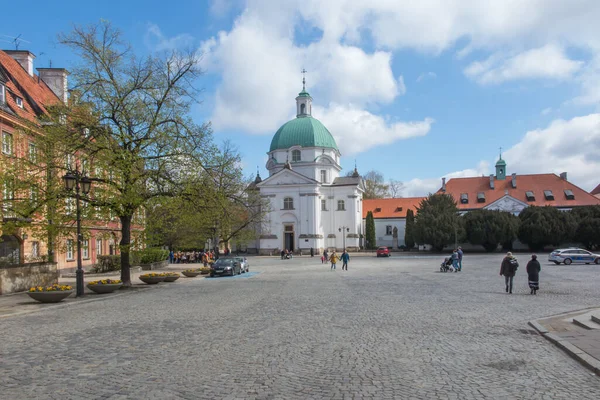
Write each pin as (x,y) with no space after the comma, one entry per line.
(79,182)
(344,229)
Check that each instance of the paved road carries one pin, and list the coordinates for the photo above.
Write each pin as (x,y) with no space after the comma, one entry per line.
(388,328)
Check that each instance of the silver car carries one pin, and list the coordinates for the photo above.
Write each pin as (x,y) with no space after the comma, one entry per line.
(569,256)
(243,262)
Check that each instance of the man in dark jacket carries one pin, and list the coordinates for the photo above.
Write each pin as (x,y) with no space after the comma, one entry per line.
(345,258)
(533,273)
(509,269)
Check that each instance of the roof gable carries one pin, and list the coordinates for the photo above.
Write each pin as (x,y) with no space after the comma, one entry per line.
(287,177)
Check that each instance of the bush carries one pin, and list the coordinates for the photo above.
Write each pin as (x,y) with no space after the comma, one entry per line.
(108,263)
(148,256)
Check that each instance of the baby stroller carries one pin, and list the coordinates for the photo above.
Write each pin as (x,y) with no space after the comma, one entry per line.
(446,264)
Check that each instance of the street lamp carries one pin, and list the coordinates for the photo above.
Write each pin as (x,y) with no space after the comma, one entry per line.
(79,182)
(344,229)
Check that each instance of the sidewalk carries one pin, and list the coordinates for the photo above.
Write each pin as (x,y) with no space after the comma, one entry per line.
(577,333)
(20,303)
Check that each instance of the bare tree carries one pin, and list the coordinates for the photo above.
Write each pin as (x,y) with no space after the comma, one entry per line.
(395,188)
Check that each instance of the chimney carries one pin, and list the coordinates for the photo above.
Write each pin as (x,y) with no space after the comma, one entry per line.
(491,181)
(56,79)
(514,181)
(23,57)
(563,176)
(443,184)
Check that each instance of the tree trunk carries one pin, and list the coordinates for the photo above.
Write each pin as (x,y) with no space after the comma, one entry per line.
(124,248)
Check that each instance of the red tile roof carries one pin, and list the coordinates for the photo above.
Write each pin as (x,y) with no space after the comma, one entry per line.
(35,93)
(596,190)
(390,208)
(536,183)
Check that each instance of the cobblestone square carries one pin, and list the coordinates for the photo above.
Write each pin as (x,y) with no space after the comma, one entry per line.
(387,328)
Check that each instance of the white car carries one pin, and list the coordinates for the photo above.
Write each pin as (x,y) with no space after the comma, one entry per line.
(569,256)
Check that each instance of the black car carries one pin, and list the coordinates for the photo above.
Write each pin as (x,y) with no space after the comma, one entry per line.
(226,266)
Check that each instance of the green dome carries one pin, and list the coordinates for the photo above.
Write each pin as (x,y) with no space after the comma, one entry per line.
(303,131)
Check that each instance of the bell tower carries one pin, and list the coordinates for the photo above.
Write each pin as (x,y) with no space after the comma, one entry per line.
(303,101)
(500,168)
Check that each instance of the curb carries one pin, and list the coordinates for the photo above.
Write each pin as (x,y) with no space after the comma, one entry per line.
(573,351)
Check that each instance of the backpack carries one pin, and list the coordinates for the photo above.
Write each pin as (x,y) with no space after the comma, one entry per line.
(514,263)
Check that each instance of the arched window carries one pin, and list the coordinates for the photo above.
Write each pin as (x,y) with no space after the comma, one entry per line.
(341,205)
(296,156)
(302,108)
(288,203)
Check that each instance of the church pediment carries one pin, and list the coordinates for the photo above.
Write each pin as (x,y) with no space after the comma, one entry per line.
(287,177)
(507,203)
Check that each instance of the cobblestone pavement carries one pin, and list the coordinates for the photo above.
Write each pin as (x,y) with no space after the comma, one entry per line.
(388,328)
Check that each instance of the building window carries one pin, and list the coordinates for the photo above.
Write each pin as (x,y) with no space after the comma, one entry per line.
(481,197)
(296,155)
(341,205)
(85,252)
(8,194)
(569,194)
(323,205)
(19,101)
(389,229)
(548,195)
(530,195)
(2,94)
(35,249)
(464,198)
(84,167)
(69,205)
(70,250)
(288,203)
(7,143)
(86,132)
(69,162)
(302,108)
(323,176)
(32,152)
(99,247)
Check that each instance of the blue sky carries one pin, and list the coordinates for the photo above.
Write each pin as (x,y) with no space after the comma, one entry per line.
(415,90)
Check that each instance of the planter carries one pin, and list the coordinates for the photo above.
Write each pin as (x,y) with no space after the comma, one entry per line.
(51,296)
(191,274)
(152,280)
(204,272)
(171,278)
(104,288)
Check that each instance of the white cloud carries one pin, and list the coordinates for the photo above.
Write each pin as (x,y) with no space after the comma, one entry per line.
(426,76)
(356,130)
(156,40)
(549,61)
(422,187)
(564,146)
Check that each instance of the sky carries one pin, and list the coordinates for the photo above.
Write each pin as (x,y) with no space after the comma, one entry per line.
(418,90)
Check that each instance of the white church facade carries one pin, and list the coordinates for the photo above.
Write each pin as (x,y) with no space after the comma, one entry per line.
(309,205)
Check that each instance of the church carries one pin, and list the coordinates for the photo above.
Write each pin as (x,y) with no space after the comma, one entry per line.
(309,204)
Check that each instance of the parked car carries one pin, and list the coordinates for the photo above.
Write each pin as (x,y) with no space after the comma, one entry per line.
(569,256)
(383,252)
(245,265)
(225,266)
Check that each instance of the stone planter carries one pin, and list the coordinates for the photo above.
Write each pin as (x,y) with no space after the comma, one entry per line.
(152,280)
(105,288)
(50,297)
(204,272)
(171,278)
(190,274)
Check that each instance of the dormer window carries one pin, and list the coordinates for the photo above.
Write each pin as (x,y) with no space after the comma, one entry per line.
(530,196)
(398,209)
(378,209)
(569,194)
(464,198)
(480,197)
(548,195)
(2,94)
(19,101)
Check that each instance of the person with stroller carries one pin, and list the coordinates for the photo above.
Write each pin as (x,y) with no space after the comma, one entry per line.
(455,261)
(533,274)
(460,257)
(508,268)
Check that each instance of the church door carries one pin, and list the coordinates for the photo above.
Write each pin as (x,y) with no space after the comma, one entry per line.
(289,237)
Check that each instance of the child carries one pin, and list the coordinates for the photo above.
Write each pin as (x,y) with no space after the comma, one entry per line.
(323,259)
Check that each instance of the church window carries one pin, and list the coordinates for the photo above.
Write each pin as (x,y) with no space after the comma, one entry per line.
(302,108)
(341,205)
(388,230)
(323,176)
(323,205)
(288,203)
(296,156)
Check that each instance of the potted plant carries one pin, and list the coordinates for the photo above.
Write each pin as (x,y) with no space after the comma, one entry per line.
(152,278)
(105,285)
(171,276)
(204,270)
(50,294)
(191,273)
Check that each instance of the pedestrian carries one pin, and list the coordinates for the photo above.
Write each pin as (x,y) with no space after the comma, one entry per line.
(333,259)
(322,258)
(282,254)
(345,258)
(455,260)
(509,269)
(460,257)
(171,257)
(312,252)
(326,255)
(533,274)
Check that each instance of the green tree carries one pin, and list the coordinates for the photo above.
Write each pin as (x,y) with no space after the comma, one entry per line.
(375,186)
(437,222)
(489,228)
(370,231)
(543,226)
(144,141)
(588,226)
(409,237)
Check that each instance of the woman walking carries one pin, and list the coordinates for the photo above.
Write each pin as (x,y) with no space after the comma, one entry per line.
(533,274)
(509,269)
